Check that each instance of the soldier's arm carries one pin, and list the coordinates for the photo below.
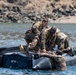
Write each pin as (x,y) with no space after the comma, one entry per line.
(33,43)
(43,40)
(35,28)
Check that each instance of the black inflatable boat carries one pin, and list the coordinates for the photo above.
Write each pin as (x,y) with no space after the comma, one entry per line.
(13,58)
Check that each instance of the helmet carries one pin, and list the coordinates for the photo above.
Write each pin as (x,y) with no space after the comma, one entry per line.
(53,30)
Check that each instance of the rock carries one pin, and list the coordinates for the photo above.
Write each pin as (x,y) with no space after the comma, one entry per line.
(29,11)
(12,18)
(16,9)
(64,6)
(11,1)
(57,0)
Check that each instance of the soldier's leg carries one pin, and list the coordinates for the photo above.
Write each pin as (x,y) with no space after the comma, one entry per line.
(58,62)
(66,44)
(61,44)
(34,45)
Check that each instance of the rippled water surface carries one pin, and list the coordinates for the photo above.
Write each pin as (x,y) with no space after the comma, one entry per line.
(13,35)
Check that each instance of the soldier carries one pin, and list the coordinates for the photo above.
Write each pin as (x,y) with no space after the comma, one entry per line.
(48,37)
(53,36)
(58,61)
(35,31)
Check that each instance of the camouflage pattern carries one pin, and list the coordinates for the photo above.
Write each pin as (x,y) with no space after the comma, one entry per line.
(33,31)
(62,41)
(37,27)
(29,36)
(47,39)
(34,45)
(58,61)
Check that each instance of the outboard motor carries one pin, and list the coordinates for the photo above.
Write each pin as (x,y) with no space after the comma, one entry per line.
(17,60)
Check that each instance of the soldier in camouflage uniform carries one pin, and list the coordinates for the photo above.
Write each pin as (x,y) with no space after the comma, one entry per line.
(53,36)
(58,61)
(35,32)
(48,37)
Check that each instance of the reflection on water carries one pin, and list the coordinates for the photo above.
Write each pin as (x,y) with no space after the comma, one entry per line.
(71,70)
(13,35)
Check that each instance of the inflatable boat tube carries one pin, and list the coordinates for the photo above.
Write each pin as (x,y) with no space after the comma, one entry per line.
(45,63)
(18,60)
(13,58)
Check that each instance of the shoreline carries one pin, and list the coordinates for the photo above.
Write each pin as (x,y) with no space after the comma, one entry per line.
(63,20)
(29,11)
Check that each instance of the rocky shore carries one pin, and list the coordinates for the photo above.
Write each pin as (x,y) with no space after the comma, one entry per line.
(22,11)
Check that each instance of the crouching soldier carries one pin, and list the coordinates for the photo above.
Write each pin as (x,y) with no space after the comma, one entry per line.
(58,61)
(53,37)
(48,38)
(35,30)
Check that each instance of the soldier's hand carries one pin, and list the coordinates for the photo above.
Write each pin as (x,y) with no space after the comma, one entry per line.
(44,50)
(30,45)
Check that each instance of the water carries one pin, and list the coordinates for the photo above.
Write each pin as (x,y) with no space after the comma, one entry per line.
(13,34)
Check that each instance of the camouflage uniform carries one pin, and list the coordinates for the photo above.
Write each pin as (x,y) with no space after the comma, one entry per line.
(34,45)
(31,33)
(62,41)
(34,31)
(29,36)
(58,61)
(47,39)
(37,27)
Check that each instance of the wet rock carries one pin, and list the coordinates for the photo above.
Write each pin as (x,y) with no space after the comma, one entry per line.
(11,1)
(53,5)
(12,18)
(71,6)
(64,6)
(16,9)
(57,0)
